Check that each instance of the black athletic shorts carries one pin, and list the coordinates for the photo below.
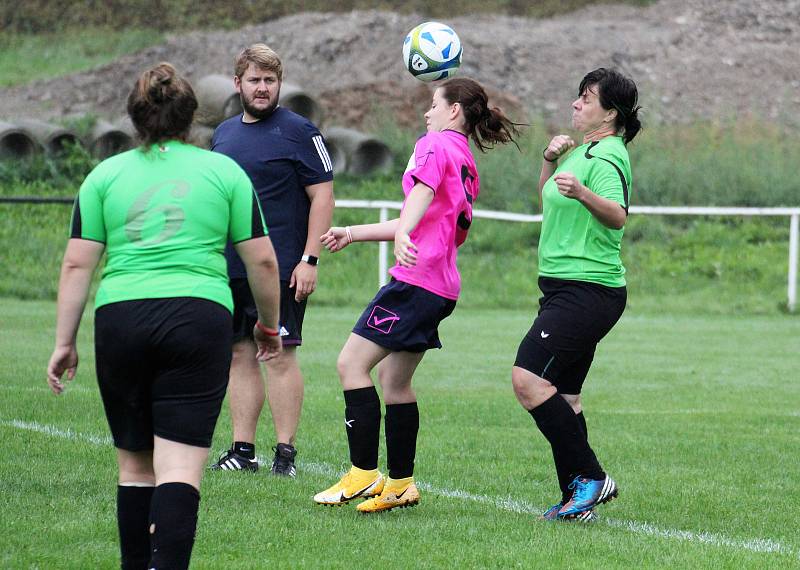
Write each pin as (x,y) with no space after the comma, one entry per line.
(404,317)
(573,317)
(162,367)
(245,313)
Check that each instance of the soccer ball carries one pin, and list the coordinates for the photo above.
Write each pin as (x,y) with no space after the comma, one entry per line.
(432,51)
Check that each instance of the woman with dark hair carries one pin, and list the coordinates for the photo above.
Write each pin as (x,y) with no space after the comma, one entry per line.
(440,185)
(163,213)
(585,204)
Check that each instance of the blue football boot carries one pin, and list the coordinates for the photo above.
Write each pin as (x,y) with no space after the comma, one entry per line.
(587,494)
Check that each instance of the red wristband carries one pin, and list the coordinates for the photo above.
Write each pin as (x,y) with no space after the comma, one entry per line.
(266,330)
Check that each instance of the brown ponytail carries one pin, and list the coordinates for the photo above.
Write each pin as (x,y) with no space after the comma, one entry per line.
(487,126)
(161,105)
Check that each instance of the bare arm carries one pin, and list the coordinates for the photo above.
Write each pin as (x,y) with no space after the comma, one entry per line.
(262,276)
(337,238)
(608,212)
(80,261)
(559,145)
(415,207)
(304,276)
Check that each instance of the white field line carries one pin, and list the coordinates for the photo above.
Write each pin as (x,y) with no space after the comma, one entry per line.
(760,545)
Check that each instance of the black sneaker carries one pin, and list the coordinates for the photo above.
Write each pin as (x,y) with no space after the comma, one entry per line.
(232,461)
(283,464)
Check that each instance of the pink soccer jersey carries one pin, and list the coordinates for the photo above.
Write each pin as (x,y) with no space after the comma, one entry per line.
(444,162)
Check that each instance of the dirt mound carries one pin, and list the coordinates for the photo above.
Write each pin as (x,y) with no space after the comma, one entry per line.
(692,59)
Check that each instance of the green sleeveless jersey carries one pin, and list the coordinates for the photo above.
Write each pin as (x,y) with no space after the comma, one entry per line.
(574,244)
(165,215)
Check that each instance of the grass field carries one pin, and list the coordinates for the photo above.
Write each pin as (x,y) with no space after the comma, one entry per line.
(696,417)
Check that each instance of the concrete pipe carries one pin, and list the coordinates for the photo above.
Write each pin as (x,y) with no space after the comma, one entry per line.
(301,102)
(200,135)
(107,140)
(16,142)
(365,154)
(217,100)
(53,138)
(338,156)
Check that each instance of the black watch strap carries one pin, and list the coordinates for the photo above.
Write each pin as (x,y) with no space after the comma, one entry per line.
(310,259)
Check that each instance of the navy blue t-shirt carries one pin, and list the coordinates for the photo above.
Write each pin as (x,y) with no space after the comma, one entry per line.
(281,154)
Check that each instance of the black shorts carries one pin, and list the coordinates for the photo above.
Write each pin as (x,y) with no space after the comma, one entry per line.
(162,367)
(573,317)
(404,317)
(245,313)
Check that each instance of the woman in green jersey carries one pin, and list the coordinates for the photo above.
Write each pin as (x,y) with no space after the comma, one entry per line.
(162,213)
(584,197)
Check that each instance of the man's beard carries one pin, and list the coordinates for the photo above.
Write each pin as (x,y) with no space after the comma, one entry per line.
(258,113)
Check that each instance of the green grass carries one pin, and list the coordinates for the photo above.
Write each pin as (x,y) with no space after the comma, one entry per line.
(696,417)
(27,57)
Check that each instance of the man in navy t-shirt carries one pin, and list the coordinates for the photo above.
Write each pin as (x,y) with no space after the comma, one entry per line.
(285,157)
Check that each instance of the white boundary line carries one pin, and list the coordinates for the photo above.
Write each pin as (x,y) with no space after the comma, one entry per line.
(759,545)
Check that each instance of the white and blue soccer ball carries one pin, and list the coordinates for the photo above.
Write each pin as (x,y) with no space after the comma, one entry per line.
(432,51)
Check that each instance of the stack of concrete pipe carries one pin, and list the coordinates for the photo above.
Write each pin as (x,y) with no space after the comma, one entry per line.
(16,142)
(350,151)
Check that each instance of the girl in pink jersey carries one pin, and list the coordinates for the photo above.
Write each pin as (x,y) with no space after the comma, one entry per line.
(440,185)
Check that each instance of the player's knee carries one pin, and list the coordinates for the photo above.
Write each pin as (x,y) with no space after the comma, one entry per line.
(529,389)
(346,366)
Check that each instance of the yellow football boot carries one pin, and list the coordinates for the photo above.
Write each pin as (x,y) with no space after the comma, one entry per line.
(396,493)
(356,484)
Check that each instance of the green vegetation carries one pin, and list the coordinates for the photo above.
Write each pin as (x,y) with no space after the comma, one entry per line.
(50,54)
(669,404)
(182,15)
(683,264)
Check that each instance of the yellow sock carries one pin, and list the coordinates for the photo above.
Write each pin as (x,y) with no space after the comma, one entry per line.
(399,483)
(362,474)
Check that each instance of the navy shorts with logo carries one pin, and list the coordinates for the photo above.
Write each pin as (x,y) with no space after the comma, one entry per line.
(162,368)
(404,317)
(573,317)
(245,313)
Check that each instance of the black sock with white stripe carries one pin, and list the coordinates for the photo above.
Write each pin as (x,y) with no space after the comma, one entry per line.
(245,449)
(173,522)
(133,512)
(362,418)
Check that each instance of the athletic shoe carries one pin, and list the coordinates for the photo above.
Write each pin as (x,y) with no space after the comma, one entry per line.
(355,484)
(587,494)
(232,461)
(391,497)
(551,514)
(283,463)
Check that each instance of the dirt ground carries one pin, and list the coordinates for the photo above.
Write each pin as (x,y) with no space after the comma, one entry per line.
(691,59)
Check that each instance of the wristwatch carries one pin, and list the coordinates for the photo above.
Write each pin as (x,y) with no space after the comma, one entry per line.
(310,259)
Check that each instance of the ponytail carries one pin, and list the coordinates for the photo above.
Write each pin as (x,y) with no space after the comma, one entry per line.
(487,126)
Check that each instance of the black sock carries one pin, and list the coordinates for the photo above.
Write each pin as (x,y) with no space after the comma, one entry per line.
(562,469)
(557,421)
(173,522)
(402,425)
(133,512)
(582,421)
(245,449)
(362,418)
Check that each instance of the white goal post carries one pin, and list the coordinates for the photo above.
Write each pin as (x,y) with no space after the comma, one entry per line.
(793,213)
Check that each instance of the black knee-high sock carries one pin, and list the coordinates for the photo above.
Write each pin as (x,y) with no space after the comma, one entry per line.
(562,469)
(173,522)
(133,513)
(557,421)
(402,426)
(362,418)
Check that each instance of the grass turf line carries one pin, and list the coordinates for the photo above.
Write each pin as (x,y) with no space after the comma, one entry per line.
(671,413)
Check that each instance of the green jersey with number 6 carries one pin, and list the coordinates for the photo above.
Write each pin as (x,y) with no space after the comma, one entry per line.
(165,214)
